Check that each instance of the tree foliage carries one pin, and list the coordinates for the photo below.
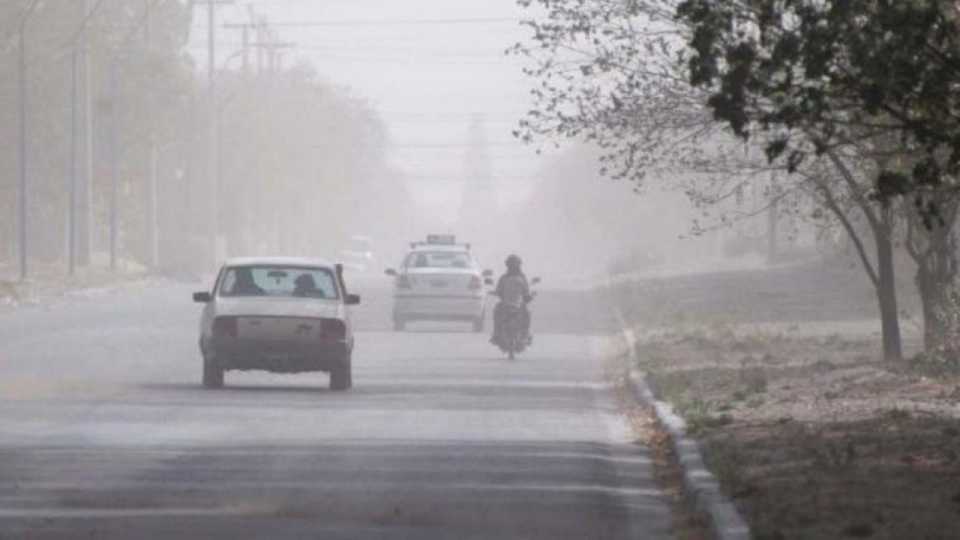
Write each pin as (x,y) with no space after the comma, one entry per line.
(646,81)
(290,142)
(609,72)
(817,74)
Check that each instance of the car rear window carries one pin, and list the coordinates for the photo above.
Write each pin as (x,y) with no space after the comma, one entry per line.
(279,281)
(438,259)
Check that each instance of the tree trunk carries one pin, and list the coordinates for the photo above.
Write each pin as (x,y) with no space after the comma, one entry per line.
(887,295)
(932,302)
(934,279)
(933,248)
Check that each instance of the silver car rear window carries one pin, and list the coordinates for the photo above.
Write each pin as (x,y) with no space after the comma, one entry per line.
(279,281)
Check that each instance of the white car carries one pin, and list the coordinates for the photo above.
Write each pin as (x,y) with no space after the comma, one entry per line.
(358,255)
(439,280)
(278,314)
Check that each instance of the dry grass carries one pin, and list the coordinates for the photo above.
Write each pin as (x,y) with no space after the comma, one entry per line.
(815,437)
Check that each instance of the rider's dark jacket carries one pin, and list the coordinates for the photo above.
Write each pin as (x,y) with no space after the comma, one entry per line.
(513,289)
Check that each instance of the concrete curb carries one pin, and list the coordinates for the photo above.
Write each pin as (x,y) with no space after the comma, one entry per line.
(726,523)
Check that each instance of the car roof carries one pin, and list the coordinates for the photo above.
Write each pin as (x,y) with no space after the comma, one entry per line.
(460,248)
(279,261)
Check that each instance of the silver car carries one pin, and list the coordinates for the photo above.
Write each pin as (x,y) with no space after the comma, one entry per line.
(277,314)
(439,281)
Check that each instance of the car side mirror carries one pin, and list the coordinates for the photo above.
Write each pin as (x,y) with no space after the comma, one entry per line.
(202,297)
(535,280)
(390,272)
(351,299)
(488,281)
(488,273)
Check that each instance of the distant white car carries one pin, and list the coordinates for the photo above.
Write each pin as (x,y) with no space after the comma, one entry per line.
(439,280)
(278,314)
(358,255)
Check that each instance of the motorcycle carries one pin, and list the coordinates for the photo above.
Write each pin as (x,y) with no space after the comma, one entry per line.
(512,339)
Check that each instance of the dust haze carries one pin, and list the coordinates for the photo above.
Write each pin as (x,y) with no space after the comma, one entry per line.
(317,124)
(555,269)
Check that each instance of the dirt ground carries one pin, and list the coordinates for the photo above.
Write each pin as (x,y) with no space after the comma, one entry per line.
(809,431)
(814,437)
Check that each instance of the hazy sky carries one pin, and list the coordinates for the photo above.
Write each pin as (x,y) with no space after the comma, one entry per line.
(428,66)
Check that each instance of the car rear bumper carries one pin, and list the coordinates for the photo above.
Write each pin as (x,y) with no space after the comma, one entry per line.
(238,354)
(435,307)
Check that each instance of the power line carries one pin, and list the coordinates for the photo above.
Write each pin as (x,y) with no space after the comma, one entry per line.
(395,22)
(457,145)
(350,47)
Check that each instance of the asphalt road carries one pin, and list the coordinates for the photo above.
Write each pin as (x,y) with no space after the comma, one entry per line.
(105,432)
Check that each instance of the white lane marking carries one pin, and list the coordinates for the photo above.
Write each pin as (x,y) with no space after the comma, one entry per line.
(318,486)
(94,513)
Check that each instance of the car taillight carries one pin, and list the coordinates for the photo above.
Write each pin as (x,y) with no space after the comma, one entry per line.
(475,283)
(225,327)
(403,282)
(332,330)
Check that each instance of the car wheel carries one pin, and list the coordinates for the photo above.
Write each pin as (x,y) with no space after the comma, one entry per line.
(212,374)
(478,324)
(399,325)
(341,376)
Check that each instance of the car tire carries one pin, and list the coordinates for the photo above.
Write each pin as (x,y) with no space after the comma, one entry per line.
(341,376)
(399,325)
(212,374)
(478,324)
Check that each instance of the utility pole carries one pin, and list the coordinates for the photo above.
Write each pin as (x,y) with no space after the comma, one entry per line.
(213,140)
(72,175)
(85,230)
(244,41)
(114,159)
(269,46)
(74,218)
(261,36)
(213,150)
(152,213)
(112,136)
(22,150)
(238,190)
(22,193)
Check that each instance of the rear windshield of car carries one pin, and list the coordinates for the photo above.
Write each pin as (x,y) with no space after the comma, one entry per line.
(279,281)
(438,259)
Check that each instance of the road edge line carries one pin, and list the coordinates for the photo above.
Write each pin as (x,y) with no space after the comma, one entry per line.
(726,522)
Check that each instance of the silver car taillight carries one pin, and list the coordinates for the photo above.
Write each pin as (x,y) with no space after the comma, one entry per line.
(332,330)
(225,327)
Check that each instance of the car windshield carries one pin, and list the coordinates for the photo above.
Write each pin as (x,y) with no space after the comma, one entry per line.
(438,259)
(279,281)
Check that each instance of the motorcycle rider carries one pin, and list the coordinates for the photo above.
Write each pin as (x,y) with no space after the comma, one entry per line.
(514,293)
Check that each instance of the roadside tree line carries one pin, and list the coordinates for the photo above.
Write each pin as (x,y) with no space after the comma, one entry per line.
(118,152)
(847,112)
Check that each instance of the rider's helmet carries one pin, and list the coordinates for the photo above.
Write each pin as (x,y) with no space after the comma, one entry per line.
(513,262)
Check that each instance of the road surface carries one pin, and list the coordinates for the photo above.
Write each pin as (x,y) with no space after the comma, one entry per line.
(105,432)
